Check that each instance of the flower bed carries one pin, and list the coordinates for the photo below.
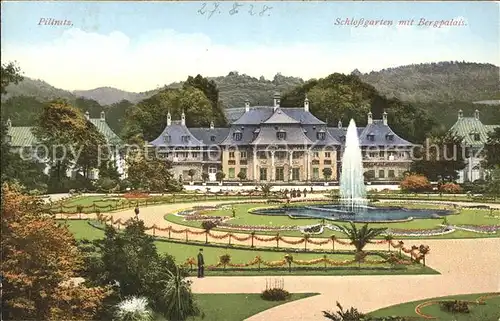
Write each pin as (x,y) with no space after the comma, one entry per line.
(489,229)
(257,227)
(418,232)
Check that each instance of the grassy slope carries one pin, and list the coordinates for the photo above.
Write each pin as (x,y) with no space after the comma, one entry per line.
(182,252)
(488,312)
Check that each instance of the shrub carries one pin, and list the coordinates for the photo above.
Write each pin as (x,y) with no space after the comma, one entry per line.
(133,309)
(415,183)
(220,175)
(348,315)
(204,176)
(450,188)
(275,294)
(456,306)
(225,259)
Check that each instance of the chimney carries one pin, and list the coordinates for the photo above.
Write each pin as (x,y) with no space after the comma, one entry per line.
(276,100)
(384,117)
(87,115)
(460,114)
(306,104)
(340,124)
(103,118)
(476,114)
(212,125)
(247,106)
(169,119)
(183,118)
(370,118)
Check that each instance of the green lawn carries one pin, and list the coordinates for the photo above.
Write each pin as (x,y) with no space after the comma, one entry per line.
(466,216)
(488,312)
(182,252)
(235,307)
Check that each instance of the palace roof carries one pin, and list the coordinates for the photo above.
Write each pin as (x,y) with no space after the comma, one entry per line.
(467,127)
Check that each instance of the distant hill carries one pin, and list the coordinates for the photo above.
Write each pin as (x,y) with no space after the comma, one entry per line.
(110,95)
(438,82)
(37,88)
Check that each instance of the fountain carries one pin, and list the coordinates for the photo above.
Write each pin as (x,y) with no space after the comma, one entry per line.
(353,202)
(352,185)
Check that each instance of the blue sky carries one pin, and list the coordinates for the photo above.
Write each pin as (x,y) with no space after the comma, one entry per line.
(140,45)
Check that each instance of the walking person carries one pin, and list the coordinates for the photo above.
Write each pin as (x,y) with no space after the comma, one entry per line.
(201,264)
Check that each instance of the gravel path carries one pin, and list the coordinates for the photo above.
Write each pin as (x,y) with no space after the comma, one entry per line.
(466,266)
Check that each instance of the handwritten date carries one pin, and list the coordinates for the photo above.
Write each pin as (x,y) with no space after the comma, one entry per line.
(209,9)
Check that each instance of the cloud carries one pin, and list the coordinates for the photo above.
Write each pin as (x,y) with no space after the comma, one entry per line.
(85,60)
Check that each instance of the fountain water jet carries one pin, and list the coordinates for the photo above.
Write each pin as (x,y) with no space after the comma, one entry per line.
(352,185)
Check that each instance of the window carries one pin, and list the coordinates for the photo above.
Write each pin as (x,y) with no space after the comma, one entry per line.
(315,162)
(280,174)
(381,173)
(316,154)
(391,173)
(185,139)
(402,155)
(320,135)
(263,174)
(327,154)
(327,162)
(237,136)
(167,139)
(315,173)
(389,137)
(243,162)
(280,155)
(295,174)
(231,172)
(370,137)
(373,154)
(195,155)
(231,162)
(212,138)
(262,155)
(231,154)
(477,137)
(243,155)
(243,171)
(281,135)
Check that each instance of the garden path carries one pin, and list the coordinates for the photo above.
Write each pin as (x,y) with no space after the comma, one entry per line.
(466,266)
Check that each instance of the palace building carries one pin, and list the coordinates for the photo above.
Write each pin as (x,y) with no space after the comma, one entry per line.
(279,145)
(475,136)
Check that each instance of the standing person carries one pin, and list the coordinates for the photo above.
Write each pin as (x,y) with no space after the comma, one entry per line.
(201,264)
(305,192)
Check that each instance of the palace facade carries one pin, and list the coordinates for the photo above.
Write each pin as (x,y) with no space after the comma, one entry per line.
(281,145)
(475,136)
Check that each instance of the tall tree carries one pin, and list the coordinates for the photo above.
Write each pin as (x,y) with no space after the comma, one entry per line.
(492,149)
(441,157)
(39,259)
(10,73)
(210,90)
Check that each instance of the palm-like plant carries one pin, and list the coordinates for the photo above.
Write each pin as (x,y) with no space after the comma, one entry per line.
(389,238)
(133,309)
(178,297)
(207,225)
(224,260)
(360,237)
(266,189)
(348,315)
(424,249)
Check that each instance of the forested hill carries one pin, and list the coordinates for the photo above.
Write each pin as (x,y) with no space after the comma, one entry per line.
(37,88)
(437,82)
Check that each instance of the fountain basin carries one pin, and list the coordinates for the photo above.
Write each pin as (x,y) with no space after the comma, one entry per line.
(368,214)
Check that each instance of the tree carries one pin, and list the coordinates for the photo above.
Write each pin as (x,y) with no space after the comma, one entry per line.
(40,258)
(360,237)
(70,139)
(179,300)
(266,189)
(11,74)
(441,157)
(207,225)
(151,174)
(415,183)
(220,176)
(492,149)
(204,176)
(327,173)
(191,173)
(242,175)
(210,90)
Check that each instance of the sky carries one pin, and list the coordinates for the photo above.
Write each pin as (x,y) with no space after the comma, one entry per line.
(138,46)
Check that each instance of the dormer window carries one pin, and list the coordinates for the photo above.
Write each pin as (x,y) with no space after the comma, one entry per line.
(342,138)
(167,138)
(212,138)
(185,139)
(281,135)
(476,136)
(320,135)
(237,136)
(370,137)
(389,137)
